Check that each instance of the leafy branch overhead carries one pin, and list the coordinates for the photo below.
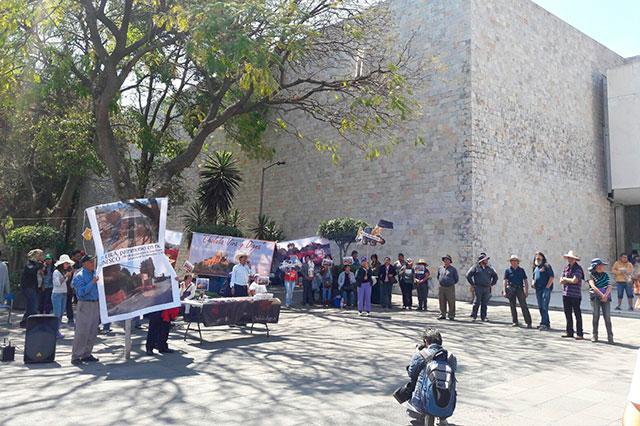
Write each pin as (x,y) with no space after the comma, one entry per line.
(174,72)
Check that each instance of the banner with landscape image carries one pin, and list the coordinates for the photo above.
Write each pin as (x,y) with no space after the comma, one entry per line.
(316,247)
(135,277)
(172,241)
(215,255)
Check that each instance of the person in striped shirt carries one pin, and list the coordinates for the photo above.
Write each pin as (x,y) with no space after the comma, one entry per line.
(600,295)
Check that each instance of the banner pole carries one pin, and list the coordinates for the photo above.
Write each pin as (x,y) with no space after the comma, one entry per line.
(127,339)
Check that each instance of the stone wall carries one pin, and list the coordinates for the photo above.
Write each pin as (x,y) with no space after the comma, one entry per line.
(538,148)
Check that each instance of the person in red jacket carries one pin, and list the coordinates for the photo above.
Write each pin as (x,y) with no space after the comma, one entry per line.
(158,333)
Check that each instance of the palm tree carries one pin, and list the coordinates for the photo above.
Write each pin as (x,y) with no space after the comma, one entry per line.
(219,181)
(267,229)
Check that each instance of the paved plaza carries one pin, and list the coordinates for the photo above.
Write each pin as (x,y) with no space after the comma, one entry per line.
(328,367)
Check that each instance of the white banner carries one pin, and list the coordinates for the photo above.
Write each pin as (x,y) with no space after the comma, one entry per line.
(134,275)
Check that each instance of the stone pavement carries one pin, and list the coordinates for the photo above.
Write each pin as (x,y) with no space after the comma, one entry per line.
(328,367)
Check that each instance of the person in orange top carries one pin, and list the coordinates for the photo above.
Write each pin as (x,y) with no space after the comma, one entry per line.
(622,271)
(290,279)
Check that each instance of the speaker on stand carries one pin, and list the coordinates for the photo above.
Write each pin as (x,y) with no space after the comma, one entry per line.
(40,339)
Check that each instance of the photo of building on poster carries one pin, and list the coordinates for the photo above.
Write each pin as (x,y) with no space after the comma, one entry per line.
(128,224)
(215,255)
(172,241)
(315,247)
(135,277)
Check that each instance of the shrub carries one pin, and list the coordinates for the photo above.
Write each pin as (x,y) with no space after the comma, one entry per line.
(29,237)
(342,231)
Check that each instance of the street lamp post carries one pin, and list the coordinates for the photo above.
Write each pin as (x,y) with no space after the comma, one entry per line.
(277,163)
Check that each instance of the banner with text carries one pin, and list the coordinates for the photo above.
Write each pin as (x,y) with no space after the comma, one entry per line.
(135,277)
(315,247)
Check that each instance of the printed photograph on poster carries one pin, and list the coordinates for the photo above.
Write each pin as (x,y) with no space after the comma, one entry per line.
(315,247)
(128,224)
(215,255)
(172,241)
(202,284)
(139,284)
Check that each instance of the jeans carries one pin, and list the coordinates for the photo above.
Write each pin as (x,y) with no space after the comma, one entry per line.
(407,294)
(572,306)
(517,295)
(44,303)
(482,296)
(624,288)
(326,295)
(59,301)
(598,305)
(31,303)
(543,295)
(288,292)
(385,294)
(447,298)
(364,297)
(347,297)
(423,293)
(307,292)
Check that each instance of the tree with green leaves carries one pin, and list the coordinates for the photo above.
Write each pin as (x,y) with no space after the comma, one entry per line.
(342,231)
(176,72)
(220,178)
(267,229)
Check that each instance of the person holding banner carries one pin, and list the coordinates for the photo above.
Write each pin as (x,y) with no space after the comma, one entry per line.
(240,276)
(88,313)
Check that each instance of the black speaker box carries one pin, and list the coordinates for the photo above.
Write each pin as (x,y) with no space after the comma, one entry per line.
(40,339)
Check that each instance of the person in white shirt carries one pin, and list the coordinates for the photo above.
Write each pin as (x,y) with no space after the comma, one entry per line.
(240,276)
(631,415)
(259,286)
(61,274)
(5,285)
(187,288)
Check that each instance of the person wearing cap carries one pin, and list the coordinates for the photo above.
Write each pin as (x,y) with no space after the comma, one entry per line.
(516,287)
(346,283)
(600,294)
(88,313)
(407,281)
(364,275)
(571,281)
(240,276)
(623,271)
(422,276)
(44,295)
(543,277)
(386,278)
(29,283)
(62,272)
(482,278)
(447,278)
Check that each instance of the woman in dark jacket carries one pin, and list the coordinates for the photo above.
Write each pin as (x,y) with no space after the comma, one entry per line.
(364,277)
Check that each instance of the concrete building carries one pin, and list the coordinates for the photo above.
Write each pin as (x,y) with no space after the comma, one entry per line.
(515,157)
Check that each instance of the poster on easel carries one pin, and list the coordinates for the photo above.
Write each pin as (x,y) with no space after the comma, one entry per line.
(135,276)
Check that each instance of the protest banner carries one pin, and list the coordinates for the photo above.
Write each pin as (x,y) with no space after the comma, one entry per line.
(135,277)
(172,241)
(214,255)
(316,247)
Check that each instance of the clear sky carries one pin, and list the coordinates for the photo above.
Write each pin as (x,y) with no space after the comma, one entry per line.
(614,23)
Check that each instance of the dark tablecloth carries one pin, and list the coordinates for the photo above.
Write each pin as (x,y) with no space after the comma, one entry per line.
(240,310)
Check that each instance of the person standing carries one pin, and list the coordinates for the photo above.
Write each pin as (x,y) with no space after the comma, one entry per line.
(47,285)
(355,260)
(363,284)
(447,278)
(422,277)
(88,315)
(308,272)
(516,288)
(29,284)
(600,294)
(543,284)
(326,283)
(386,277)
(62,272)
(376,290)
(623,271)
(240,276)
(571,281)
(482,278)
(407,281)
(346,284)
(5,284)
(76,256)
(158,331)
(290,279)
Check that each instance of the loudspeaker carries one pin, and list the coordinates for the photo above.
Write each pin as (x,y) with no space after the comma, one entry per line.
(40,339)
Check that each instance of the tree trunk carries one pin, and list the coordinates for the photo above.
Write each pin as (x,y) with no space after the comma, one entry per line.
(65,202)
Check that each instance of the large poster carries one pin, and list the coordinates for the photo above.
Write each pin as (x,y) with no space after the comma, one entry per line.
(134,275)
(215,255)
(316,247)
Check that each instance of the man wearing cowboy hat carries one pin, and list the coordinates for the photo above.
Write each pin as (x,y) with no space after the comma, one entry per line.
(516,286)
(240,275)
(447,278)
(482,278)
(571,281)
(88,312)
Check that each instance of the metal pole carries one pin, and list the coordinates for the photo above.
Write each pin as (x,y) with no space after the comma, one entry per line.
(127,339)
(262,191)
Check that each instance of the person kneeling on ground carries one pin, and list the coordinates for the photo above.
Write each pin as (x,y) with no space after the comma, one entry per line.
(432,369)
(158,332)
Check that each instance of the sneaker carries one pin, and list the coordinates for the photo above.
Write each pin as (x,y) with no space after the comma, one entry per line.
(567,336)
(368,314)
(579,337)
(360,313)
(610,340)
(441,317)
(529,326)
(90,358)
(543,328)
(618,308)
(594,339)
(485,319)
(515,324)
(76,361)
(538,327)
(452,319)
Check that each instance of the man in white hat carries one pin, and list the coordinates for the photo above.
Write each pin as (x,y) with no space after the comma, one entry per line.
(482,278)
(240,276)
(571,281)
(516,287)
